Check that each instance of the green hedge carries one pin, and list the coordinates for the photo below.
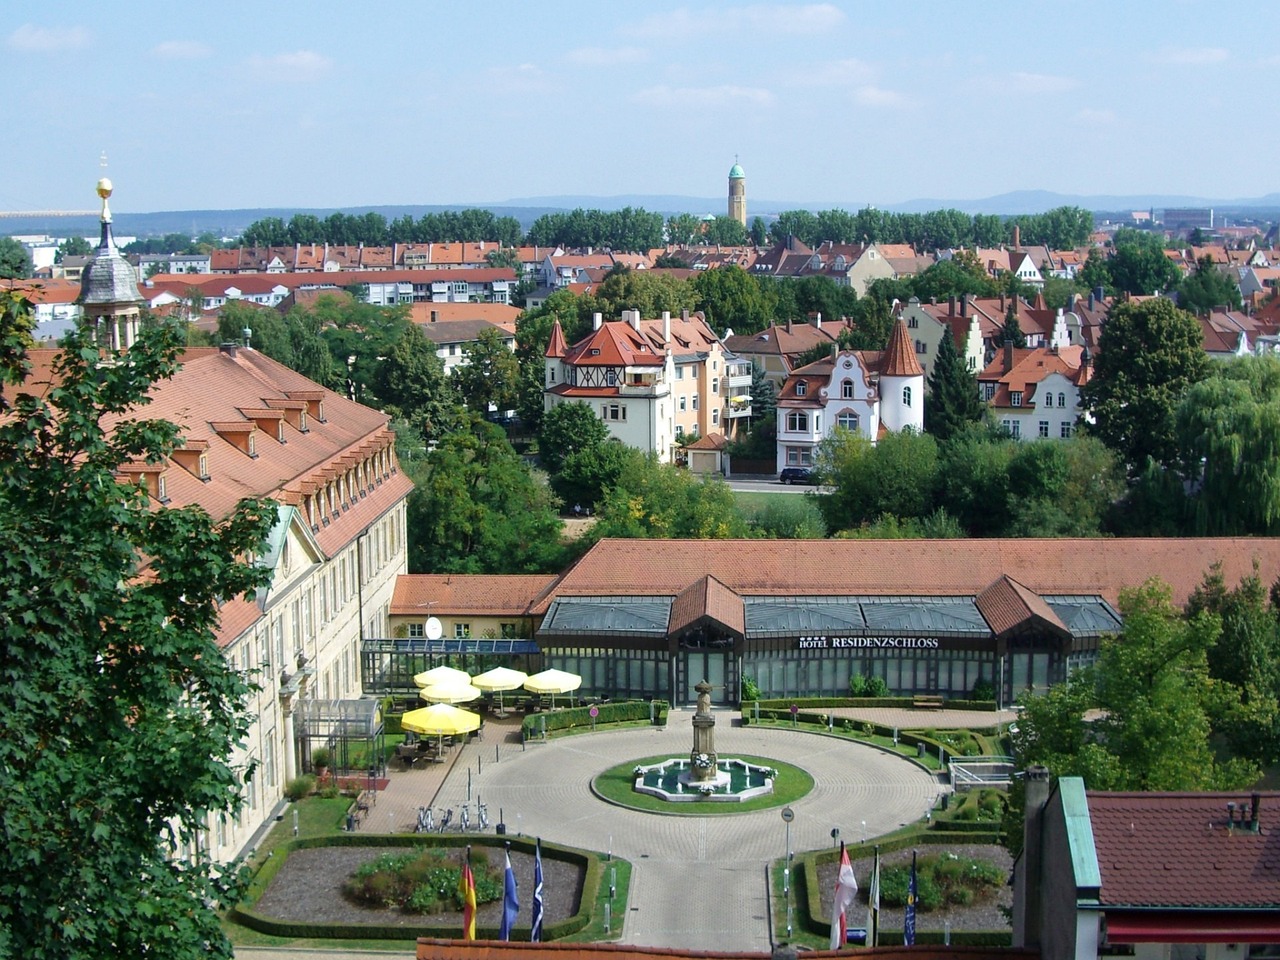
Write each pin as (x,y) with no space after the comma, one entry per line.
(959,938)
(979,705)
(807,703)
(294,929)
(625,711)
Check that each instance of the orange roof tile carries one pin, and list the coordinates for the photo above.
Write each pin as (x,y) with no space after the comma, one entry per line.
(707,598)
(899,359)
(423,594)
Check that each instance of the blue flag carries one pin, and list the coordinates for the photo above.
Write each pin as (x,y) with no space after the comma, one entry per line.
(535,933)
(909,918)
(510,902)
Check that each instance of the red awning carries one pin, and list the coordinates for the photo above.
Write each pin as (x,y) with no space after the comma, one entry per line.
(1191,926)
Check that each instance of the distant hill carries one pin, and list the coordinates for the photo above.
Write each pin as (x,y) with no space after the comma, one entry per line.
(231,223)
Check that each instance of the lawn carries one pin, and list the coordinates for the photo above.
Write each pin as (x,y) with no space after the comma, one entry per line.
(616,785)
(754,501)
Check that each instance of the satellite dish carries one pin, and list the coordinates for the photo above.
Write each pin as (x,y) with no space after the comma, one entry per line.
(435,630)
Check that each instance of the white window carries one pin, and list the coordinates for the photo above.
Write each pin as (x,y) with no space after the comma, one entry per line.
(417,630)
(913,323)
(906,396)
(797,420)
(1066,431)
(682,404)
(695,401)
(920,347)
(988,391)
(679,431)
(679,373)
(801,388)
(461,631)
(1062,399)
(1015,398)
(846,389)
(847,420)
(611,377)
(715,416)
(715,385)
(1044,428)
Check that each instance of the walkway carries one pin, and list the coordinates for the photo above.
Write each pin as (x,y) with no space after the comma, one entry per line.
(697,882)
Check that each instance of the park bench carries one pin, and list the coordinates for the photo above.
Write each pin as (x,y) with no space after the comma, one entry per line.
(926,701)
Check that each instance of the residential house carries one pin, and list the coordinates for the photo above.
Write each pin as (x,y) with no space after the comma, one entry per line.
(499,314)
(1035,393)
(864,392)
(54,303)
(847,264)
(777,348)
(653,382)
(489,607)
(561,269)
(451,338)
(928,323)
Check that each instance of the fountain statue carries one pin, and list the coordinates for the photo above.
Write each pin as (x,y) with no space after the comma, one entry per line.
(702,761)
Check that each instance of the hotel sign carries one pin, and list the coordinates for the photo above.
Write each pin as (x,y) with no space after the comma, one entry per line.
(866,643)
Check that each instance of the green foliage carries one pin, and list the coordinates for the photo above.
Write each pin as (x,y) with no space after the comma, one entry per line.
(476,508)
(785,517)
(586,474)
(15,262)
(299,787)
(372,229)
(1149,355)
(629,229)
(1011,332)
(72,247)
(566,429)
(897,476)
(489,377)
(422,882)
(1207,287)
(941,880)
(659,500)
(122,713)
(983,689)
(861,685)
(750,689)
(952,401)
(938,525)
(730,298)
(412,385)
(1062,228)
(1139,266)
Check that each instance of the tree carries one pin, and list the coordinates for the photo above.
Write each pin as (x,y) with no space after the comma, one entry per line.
(1149,355)
(72,247)
(952,400)
(653,500)
(725,232)
(732,299)
(121,714)
(683,229)
(488,379)
(1207,287)
(567,428)
(1228,431)
(1139,265)
(412,383)
(1011,332)
(15,262)
(1095,274)
(898,476)
(476,508)
(759,232)
(650,293)
(586,475)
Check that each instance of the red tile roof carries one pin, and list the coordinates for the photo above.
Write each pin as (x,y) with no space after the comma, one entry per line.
(707,597)
(420,594)
(432,949)
(899,359)
(1007,605)
(1175,850)
(556,346)
(1099,567)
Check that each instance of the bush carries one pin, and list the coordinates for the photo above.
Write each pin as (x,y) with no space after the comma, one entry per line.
(750,689)
(423,882)
(320,757)
(941,880)
(864,686)
(984,689)
(299,787)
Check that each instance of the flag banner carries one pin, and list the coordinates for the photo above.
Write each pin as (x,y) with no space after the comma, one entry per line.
(873,904)
(846,893)
(467,893)
(510,902)
(909,918)
(535,932)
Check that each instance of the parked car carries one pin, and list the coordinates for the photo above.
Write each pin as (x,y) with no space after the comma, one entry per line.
(797,475)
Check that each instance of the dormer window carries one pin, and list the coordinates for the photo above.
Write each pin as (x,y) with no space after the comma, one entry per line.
(302,421)
(203,467)
(1015,398)
(801,388)
(253,445)
(162,488)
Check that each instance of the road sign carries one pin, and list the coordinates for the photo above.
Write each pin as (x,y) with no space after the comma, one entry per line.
(594,712)
(788,814)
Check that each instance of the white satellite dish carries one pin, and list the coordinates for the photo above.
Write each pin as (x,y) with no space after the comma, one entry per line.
(435,630)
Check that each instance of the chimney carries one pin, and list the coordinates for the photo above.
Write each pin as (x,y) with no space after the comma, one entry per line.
(818,320)
(933,301)
(1017,236)
(229,348)
(1091,300)
(1008,355)
(633,316)
(684,315)
(1027,908)
(788,326)
(951,305)
(1254,824)
(1098,293)
(596,320)
(1002,303)
(964,304)
(666,326)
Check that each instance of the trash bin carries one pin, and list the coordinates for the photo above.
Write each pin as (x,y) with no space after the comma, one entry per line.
(351,823)
(946,800)
(920,750)
(501,829)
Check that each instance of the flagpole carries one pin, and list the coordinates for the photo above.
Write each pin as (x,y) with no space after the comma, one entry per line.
(535,925)
(875,900)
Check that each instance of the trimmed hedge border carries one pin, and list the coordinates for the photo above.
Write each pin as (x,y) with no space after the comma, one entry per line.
(908,737)
(784,703)
(816,923)
(244,915)
(626,711)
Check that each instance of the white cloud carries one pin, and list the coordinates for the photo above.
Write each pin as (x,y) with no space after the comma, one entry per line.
(767,20)
(1096,117)
(606,56)
(1189,56)
(182,50)
(35,39)
(719,96)
(302,66)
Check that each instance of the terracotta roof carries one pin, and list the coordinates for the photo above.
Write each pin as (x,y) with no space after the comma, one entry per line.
(1176,850)
(432,949)
(1007,604)
(711,599)
(556,346)
(499,314)
(615,344)
(421,594)
(712,441)
(460,331)
(44,291)
(787,339)
(1100,567)
(1015,370)
(338,280)
(899,359)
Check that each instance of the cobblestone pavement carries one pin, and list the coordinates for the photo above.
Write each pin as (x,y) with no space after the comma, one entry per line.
(697,882)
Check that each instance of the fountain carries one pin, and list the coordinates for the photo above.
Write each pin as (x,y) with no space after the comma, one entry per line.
(708,777)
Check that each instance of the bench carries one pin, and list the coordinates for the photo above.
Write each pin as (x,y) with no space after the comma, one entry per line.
(926,701)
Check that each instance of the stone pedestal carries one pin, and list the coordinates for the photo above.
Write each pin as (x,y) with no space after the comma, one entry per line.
(702,760)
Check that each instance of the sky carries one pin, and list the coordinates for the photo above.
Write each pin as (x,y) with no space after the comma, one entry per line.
(327,104)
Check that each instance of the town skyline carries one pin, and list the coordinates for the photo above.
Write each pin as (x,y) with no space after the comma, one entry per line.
(822,103)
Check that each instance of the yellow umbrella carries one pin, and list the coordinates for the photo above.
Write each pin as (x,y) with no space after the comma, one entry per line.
(553,682)
(499,679)
(441,675)
(450,692)
(440,719)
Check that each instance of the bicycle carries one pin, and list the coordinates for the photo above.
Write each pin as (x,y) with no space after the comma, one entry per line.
(482,814)
(446,819)
(464,823)
(426,822)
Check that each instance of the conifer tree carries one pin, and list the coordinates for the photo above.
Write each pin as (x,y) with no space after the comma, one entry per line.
(952,400)
(1012,330)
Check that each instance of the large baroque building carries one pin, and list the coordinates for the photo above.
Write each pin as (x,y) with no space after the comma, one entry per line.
(251,427)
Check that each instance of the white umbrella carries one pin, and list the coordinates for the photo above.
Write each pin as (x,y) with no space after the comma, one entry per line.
(553,682)
(441,675)
(450,692)
(499,679)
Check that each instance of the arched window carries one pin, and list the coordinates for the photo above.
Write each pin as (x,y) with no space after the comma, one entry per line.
(1062,399)
(846,389)
(848,420)
(906,396)
(797,420)
(801,388)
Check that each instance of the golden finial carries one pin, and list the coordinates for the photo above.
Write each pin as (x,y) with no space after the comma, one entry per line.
(104,191)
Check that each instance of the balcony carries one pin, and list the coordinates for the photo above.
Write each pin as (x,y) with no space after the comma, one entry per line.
(739,405)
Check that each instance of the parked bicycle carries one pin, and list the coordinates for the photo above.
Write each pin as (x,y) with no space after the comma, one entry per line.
(445,819)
